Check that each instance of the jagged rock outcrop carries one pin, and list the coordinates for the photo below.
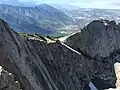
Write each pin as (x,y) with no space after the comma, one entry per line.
(7,81)
(39,65)
(99,37)
(99,41)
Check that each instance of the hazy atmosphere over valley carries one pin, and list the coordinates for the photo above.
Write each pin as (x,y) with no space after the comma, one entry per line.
(59,45)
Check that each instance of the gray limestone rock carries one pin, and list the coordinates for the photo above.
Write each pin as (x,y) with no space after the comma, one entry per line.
(38,65)
(7,81)
(99,41)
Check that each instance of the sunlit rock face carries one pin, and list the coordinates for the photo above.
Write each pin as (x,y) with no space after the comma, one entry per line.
(117,71)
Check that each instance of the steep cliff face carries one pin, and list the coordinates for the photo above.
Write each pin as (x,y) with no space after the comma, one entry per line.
(99,41)
(39,65)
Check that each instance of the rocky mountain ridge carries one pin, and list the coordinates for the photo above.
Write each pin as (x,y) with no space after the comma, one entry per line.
(99,40)
(39,65)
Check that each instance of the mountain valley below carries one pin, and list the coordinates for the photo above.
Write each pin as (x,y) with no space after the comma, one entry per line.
(41,19)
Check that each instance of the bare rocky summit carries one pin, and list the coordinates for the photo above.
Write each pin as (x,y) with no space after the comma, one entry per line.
(98,37)
(85,57)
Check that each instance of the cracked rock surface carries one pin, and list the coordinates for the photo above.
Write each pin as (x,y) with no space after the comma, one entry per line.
(7,81)
(99,41)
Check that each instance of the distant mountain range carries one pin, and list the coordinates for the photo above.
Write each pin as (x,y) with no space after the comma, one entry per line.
(43,19)
(53,20)
(83,16)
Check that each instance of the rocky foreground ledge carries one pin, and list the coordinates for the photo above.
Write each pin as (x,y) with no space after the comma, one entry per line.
(7,81)
(89,56)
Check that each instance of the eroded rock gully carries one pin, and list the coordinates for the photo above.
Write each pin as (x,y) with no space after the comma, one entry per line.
(39,65)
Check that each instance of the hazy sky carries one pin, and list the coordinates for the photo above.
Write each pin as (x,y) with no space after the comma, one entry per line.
(114,4)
